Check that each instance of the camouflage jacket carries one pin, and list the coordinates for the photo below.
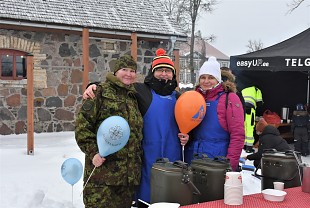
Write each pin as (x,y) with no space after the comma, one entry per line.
(124,166)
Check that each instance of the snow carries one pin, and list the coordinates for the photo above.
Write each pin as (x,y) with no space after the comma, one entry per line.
(33,181)
(188,85)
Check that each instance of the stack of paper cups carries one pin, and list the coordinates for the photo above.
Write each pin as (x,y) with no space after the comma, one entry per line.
(233,189)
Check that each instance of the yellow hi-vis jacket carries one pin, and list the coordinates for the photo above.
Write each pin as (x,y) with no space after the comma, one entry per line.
(252,95)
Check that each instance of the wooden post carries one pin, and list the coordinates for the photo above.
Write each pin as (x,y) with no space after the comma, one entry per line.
(30,106)
(85,40)
(134,46)
(176,53)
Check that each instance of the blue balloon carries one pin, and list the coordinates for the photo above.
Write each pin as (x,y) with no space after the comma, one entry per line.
(71,170)
(112,135)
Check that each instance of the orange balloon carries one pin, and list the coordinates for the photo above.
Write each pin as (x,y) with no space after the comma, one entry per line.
(189,110)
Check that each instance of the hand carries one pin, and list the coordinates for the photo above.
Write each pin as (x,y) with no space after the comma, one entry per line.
(89,92)
(244,157)
(98,160)
(183,138)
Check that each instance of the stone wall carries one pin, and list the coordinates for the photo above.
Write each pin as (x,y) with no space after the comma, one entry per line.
(58,77)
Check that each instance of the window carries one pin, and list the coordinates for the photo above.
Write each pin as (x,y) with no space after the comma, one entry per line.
(188,76)
(13,65)
(196,64)
(182,63)
(224,64)
(181,76)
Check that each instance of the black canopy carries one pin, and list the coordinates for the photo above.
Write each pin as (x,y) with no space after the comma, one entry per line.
(292,54)
(281,71)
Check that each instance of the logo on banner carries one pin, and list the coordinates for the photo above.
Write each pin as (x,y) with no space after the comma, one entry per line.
(253,63)
(297,62)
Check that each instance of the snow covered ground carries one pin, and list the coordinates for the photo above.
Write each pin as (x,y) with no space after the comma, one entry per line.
(35,181)
(31,181)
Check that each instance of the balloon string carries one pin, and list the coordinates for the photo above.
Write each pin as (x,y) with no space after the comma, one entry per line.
(72,196)
(88,180)
(183,153)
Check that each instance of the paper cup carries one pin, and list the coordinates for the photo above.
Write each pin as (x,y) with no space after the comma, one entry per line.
(233,195)
(278,185)
(233,179)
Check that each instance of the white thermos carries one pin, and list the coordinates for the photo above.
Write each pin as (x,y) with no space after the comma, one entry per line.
(285,113)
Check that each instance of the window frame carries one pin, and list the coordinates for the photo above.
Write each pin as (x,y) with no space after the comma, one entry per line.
(13,53)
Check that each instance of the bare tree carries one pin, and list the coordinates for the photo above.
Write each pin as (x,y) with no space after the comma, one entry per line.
(176,10)
(294,4)
(203,52)
(254,45)
(200,52)
(202,42)
(186,13)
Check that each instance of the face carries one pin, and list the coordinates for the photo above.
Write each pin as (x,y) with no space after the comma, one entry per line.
(126,75)
(163,73)
(207,82)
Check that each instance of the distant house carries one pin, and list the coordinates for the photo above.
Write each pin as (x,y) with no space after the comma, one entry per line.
(202,51)
(72,43)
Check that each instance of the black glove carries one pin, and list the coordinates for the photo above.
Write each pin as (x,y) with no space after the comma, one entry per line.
(248,110)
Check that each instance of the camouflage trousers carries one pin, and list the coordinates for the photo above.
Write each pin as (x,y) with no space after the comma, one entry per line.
(108,196)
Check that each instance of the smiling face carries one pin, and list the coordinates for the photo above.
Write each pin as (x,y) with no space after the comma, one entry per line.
(207,82)
(126,75)
(163,73)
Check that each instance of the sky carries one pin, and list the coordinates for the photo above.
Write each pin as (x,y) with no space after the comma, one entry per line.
(35,181)
(235,22)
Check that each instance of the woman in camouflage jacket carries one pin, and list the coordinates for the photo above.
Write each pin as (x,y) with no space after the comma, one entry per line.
(113,181)
(156,100)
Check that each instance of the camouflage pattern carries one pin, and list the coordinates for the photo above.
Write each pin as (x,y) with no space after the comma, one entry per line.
(114,196)
(125,61)
(122,168)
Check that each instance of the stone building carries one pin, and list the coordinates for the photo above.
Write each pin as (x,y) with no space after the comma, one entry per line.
(72,43)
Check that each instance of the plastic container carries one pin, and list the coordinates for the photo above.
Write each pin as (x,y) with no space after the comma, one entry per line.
(164,205)
(278,185)
(274,195)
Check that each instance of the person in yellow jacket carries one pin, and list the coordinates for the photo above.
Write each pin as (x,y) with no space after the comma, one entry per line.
(253,99)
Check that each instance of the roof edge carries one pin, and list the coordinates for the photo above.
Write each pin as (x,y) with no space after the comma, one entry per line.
(92,30)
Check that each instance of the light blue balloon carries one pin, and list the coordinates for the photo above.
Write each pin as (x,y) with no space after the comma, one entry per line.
(71,170)
(112,135)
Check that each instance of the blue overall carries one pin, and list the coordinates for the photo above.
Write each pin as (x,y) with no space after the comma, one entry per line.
(208,137)
(160,138)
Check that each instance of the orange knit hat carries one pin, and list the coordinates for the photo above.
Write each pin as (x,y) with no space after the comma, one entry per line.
(162,60)
(260,126)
